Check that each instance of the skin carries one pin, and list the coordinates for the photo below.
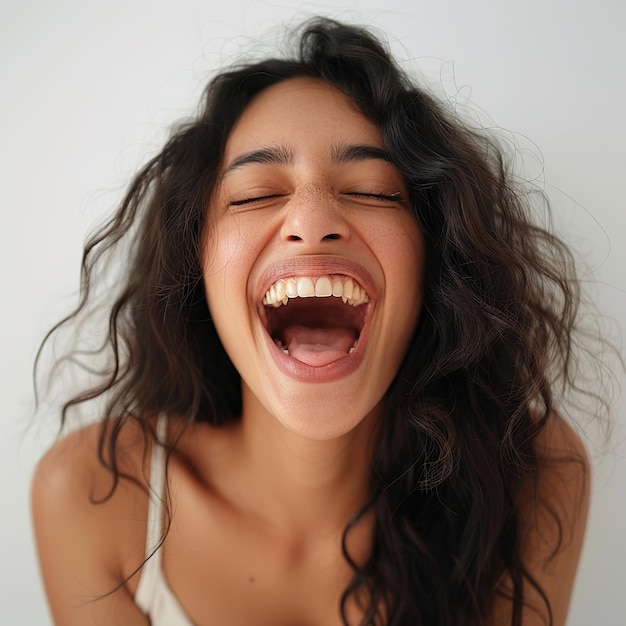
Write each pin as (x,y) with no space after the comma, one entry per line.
(308,201)
(260,506)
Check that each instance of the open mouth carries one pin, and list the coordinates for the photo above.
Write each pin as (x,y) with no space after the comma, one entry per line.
(316,320)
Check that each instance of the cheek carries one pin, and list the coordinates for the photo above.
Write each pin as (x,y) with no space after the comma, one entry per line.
(235,239)
(402,250)
(221,243)
(412,270)
(400,246)
(219,260)
(230,250)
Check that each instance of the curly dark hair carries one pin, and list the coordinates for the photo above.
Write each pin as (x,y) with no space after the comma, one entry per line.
(493,342)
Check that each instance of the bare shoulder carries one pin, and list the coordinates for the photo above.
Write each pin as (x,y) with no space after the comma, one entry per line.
(89,536)
(72,472)
(555,511)
(559,440)
(553,518)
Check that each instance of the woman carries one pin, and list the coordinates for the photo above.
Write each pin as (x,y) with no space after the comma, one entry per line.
(334,355)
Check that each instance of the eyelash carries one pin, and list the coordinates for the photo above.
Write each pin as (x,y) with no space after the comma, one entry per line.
(395,197)
(252,200)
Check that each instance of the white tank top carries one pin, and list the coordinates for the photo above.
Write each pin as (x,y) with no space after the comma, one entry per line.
(154,596)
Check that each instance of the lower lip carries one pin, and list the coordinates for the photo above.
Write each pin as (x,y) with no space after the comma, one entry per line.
(341,368)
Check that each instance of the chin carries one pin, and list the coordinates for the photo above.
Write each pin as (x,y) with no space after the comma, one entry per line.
(323,416)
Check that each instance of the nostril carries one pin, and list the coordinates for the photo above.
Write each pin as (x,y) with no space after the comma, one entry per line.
(328,237)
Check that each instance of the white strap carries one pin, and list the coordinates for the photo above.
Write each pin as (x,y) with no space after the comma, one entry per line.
(151,569)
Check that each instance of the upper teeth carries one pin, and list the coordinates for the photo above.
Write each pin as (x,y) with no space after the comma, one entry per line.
(321,287)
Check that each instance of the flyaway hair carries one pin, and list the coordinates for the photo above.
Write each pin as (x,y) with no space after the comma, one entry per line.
(457,445)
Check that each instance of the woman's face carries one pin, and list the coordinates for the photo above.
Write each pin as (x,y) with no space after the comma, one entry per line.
(312,261)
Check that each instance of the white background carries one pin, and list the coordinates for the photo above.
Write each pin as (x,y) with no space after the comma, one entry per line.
(88,90)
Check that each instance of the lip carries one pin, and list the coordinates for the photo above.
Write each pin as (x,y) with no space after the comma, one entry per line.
(315,266)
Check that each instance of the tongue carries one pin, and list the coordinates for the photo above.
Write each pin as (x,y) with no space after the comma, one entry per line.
(317,346)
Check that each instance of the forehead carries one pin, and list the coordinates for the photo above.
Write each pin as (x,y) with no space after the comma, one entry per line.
(300,112)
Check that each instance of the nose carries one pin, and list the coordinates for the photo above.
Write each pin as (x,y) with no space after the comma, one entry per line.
(314,216)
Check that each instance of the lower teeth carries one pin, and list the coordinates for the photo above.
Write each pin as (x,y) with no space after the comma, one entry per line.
(279,343)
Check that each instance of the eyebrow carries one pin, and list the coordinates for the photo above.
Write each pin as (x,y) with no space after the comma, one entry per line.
(281,155)
(273,155)
(343,153)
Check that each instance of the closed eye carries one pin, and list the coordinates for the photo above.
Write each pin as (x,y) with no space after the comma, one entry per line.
(394,197)
(254,199)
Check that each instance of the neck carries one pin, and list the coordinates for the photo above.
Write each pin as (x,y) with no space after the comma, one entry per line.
(302,487)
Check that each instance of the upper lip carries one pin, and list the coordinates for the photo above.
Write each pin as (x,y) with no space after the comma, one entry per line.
(315,266)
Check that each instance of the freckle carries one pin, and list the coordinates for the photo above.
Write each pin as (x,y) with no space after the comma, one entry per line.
(251,579)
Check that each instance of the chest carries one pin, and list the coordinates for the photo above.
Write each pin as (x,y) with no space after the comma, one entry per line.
(225,568)
(237,580)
